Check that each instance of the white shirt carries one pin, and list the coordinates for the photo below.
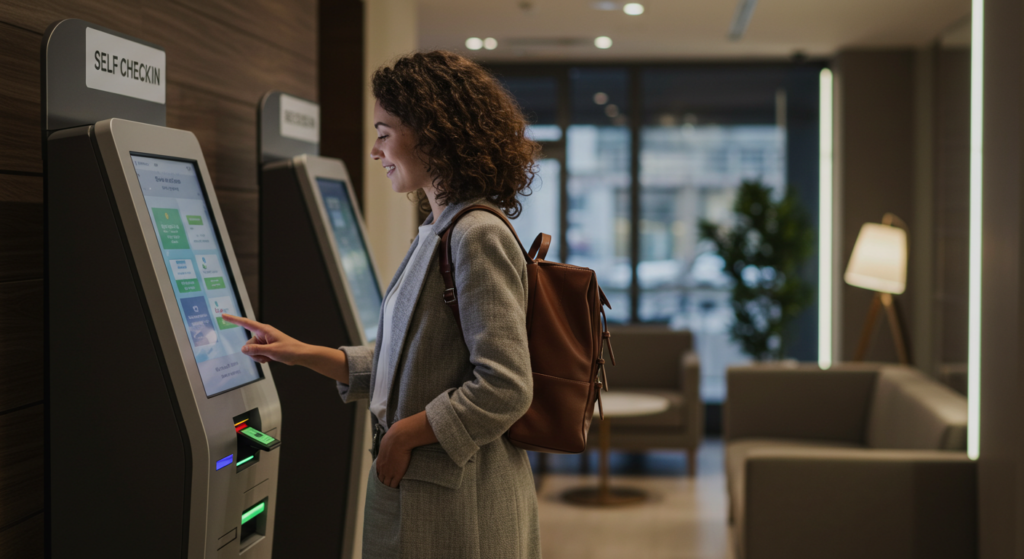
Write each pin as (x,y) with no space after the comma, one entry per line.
(382,380)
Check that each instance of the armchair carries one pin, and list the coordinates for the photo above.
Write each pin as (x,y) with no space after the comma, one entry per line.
(656,360)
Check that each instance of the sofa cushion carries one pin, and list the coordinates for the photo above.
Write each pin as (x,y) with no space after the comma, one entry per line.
(737,452)
(911,411)
(852,503)
(772,401)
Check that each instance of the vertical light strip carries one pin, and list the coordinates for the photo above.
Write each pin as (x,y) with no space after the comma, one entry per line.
(825,219)
(974,274)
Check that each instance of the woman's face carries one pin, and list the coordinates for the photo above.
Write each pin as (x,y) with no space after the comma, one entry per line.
(395,148)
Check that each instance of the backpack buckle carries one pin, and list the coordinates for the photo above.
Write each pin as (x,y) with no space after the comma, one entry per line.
(449,296)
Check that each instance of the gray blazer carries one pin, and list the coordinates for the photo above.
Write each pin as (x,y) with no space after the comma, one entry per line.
(471,495)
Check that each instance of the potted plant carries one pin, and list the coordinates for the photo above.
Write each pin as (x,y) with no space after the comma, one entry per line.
(763,249)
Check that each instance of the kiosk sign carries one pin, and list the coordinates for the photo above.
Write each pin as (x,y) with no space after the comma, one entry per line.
(124,67)
(300,119)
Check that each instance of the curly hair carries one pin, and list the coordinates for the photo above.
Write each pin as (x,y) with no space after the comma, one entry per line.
(471,133)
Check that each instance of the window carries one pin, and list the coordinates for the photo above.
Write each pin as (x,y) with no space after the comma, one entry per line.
(639,155)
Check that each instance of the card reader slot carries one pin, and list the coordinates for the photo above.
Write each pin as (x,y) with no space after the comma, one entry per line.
(247,454)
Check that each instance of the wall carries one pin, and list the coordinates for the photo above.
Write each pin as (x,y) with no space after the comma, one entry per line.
(1001,463)
(390,28)
(221,56)
(342,98)
(875,146)
(951,202)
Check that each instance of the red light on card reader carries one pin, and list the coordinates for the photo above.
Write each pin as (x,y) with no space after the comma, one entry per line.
(240,426)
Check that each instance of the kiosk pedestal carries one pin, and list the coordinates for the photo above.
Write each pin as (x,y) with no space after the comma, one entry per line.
(161,435)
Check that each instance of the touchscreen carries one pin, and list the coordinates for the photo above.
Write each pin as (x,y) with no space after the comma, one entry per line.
(355,259)
(198,271)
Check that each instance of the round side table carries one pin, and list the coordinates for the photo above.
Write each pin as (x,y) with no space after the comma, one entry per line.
(616,404)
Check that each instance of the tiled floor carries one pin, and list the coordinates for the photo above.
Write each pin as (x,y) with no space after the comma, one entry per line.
(685,518)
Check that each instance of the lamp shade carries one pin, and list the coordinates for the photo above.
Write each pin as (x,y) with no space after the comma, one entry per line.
(879,260)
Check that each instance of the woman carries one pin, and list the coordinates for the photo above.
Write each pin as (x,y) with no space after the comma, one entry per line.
(445,482)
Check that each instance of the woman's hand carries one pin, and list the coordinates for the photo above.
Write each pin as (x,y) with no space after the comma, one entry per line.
(393,458)
(268,343)
(396,447)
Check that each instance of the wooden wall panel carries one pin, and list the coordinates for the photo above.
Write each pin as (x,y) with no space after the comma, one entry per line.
(21,240)
(21,346)
(291,25)
(20,138)
(222,56)
(121,15)
(226,130)
(21,228)
(23,540)
(21,188)
(341,119)
(211,56)
(250,267)
(21,465)
(241,216)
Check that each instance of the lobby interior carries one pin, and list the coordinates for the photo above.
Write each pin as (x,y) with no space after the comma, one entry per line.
(807,217)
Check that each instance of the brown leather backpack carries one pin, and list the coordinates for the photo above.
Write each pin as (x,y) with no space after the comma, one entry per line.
(567,331)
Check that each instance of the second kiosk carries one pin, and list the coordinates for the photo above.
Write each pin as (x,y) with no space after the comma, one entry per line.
(319,285)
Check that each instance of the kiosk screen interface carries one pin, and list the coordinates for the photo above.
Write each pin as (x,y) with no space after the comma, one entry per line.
(198,271)
(353,252)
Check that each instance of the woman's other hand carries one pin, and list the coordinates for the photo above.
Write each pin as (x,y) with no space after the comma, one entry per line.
(393,458)
(268,343)
(396,447)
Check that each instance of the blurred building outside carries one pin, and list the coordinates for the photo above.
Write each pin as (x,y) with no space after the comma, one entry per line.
(689,169)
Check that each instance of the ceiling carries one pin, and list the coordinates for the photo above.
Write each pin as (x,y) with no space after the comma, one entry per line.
(564,30)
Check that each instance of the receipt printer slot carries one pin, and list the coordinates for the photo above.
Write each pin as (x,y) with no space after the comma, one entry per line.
(254,524)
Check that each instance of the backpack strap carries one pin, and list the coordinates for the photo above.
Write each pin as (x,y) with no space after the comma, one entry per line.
(539,250)
(450,295)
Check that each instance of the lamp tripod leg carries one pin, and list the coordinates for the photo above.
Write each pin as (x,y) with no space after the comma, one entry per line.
(897,328)
(869,325)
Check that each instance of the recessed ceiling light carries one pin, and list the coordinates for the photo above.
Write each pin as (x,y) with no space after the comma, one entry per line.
(633,9)
(474,43)
(490,43)
(603,42)
(600,98)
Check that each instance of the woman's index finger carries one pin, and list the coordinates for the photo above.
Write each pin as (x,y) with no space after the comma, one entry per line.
(248,324)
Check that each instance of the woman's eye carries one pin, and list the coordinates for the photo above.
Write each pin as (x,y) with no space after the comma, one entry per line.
(382,137)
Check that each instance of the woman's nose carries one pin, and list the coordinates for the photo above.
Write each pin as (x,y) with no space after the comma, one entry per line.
(375,153)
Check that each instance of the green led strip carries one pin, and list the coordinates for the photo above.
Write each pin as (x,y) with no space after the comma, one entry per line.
(253,512)
(240,462)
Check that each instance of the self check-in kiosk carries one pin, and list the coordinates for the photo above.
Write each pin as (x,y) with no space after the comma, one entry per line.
(317,283)
(162,437)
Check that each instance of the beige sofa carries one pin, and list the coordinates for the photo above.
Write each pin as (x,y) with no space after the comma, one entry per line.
(656,360)
(863,460)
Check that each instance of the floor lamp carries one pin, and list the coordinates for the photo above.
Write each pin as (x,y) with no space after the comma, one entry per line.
(879,264)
